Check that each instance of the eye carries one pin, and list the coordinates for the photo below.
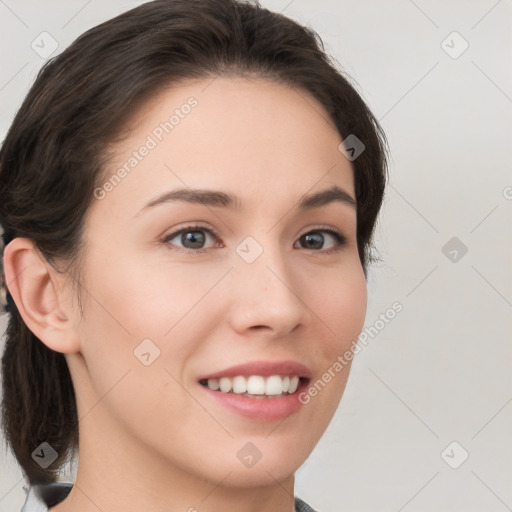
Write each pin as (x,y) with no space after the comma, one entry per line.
(192,238)
(315,239)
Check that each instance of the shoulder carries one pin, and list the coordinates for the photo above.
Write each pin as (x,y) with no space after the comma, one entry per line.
(41,497)
(302,506)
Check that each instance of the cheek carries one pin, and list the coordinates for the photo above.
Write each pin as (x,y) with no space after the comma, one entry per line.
(129,300)
(341,306)
(134,298)
(131,311)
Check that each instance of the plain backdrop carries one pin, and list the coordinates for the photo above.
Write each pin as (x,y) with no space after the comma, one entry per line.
(425,420)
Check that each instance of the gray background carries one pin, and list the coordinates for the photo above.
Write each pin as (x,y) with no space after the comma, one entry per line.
(439,372)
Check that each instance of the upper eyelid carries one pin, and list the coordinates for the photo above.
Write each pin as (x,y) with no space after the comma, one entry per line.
(198,226)
(192,227)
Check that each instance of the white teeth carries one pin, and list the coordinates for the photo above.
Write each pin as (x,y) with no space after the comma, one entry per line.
(256,385)
(294,383)
(274,385)
(225,384)
(239,385)
(213,384)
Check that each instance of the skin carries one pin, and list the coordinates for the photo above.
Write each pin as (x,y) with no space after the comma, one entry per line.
(150,439)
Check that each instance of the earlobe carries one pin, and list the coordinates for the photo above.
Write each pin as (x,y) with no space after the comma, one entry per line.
(33,285)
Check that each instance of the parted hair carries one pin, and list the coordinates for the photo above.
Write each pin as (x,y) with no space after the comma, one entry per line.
(54,153)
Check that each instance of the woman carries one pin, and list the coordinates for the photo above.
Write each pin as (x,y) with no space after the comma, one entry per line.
(188,197)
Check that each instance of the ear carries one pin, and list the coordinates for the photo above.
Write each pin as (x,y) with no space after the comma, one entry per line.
(34,286)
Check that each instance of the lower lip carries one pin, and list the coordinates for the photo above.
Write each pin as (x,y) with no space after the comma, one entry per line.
(262,409)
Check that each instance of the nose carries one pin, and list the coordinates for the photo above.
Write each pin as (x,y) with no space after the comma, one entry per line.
(268,296)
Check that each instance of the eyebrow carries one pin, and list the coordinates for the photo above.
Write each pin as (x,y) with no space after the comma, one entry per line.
(217,198)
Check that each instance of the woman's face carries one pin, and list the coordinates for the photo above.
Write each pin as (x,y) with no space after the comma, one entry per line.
(180,291)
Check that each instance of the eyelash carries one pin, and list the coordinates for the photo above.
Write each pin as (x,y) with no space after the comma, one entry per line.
(341,240)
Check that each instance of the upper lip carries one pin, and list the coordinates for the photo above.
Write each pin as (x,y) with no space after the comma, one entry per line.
(263,368)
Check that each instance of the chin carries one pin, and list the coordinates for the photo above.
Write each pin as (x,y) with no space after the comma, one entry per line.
(260,475)
(258,461)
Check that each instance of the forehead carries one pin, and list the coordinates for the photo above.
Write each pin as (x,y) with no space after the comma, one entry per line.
(249,135)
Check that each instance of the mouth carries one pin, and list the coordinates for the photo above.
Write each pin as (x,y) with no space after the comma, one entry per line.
(259,391)
(256,386)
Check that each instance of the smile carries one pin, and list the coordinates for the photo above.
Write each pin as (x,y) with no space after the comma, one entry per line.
(255,386)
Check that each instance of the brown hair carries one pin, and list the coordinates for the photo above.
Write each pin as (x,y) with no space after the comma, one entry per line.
(55,150)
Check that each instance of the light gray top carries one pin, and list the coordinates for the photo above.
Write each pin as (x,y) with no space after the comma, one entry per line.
(40,497)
